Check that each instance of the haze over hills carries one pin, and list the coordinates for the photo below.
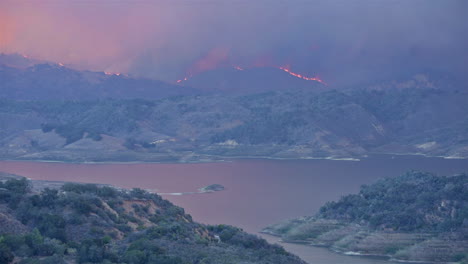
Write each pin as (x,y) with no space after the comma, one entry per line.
(16,60)
(27,79)
(22,78)
(250,80)
(226,116)
(298,124)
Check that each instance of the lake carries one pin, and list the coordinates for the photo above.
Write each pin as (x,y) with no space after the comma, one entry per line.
(258,192)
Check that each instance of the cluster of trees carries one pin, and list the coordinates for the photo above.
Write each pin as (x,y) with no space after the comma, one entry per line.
(414,217)
(416,201)
(86,223)
(94,119)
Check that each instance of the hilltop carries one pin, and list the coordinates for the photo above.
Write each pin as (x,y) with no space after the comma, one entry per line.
(26,79)
(416,217)
(86,223)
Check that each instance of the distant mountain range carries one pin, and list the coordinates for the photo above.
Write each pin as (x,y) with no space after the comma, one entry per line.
(25,79)
(277,124)
(50,112)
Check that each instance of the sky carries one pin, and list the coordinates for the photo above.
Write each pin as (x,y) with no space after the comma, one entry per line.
(169,39)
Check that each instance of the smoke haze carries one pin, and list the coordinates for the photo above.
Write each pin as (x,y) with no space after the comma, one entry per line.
(337,40)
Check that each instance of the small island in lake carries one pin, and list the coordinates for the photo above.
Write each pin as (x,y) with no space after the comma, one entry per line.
(415,217)
(212,188)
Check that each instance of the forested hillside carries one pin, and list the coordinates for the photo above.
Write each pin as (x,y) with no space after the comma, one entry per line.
(80,223)
(413,202)
(417,216)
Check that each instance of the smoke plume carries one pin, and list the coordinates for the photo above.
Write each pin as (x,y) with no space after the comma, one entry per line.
(161,39)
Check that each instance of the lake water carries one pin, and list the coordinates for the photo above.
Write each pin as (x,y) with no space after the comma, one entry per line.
(258,192)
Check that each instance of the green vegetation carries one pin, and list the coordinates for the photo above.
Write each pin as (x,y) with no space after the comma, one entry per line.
(84,223)
(417,216)
(212,188)
(405,203)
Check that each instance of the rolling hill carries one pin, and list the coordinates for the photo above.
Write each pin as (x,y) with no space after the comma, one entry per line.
(299,124)
(85,223)
(415,217)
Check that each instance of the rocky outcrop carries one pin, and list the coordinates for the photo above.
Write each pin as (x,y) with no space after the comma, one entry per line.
(353,239)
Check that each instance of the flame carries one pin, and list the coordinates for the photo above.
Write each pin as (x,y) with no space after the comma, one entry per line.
(113,73)
(316,78)
(182,80)
(283,68)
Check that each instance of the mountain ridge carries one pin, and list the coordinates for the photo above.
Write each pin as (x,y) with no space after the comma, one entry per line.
(39,80)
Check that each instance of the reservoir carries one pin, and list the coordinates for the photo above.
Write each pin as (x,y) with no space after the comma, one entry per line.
(258,192)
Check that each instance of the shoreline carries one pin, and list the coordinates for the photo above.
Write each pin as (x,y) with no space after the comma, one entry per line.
(419,154)
(225,159)
(219,159)
(352,253)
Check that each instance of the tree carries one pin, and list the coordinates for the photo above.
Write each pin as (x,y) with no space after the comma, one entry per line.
(6,256)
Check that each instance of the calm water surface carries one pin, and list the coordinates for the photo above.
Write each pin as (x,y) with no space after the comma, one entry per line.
(258,192)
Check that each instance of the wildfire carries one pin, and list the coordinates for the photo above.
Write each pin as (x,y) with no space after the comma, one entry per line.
(113,73)
(317,79)
(182,80)
(283,68)
(239,68)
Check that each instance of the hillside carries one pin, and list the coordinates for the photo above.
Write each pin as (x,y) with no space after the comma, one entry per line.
(296,124)
(84,223)
(416,217)
(49,81)
(250,81)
